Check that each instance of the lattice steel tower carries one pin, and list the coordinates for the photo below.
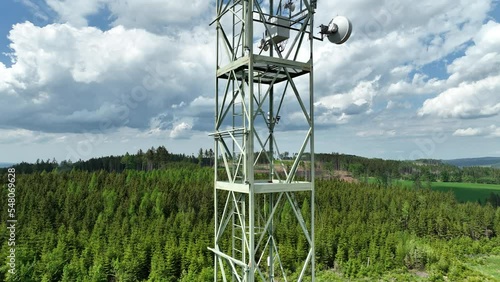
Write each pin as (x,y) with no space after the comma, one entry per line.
(264,81)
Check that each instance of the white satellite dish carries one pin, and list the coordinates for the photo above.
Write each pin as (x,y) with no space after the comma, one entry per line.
(338,30)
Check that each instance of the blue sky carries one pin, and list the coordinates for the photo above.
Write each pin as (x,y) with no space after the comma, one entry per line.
(17,13)
(105,77)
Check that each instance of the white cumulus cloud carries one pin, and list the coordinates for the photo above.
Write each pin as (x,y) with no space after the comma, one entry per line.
(181,131)
(467,100)
(73,79)
(152,15)
(468,132)
(489,131)
(357,101)
(75,11)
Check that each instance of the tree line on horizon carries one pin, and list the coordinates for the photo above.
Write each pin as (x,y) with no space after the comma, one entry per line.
(153,158)
(384,171)
(424,170)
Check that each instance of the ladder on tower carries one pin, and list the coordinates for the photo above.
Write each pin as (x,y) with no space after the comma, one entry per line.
(238,233)
(237,22)
(241,233)
(238,116)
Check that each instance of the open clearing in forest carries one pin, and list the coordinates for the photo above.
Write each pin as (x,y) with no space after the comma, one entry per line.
(467,191)
(487,265)
(463,191)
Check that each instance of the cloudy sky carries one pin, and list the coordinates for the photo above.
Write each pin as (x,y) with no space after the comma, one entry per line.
(86,78)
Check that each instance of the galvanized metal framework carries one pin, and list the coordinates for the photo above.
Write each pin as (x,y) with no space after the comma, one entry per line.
(263,48)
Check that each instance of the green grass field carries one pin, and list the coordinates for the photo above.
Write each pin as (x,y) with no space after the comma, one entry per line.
(479,268)
(488,266)
(463,191)
(467,191)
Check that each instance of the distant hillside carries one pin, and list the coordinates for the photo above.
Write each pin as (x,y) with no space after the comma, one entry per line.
(486,161)
(2,165)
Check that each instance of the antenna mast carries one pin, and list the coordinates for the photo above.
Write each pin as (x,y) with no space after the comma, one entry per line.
(264,81)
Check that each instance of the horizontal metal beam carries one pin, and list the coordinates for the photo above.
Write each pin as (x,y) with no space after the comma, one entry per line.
(234,65)
(265,187)
(235,187)
(260,188)
(268,70)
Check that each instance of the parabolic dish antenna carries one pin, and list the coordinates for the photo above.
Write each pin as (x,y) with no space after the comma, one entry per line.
(338,30)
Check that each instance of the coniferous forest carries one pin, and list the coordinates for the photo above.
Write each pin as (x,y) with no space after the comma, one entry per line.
(156,225)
